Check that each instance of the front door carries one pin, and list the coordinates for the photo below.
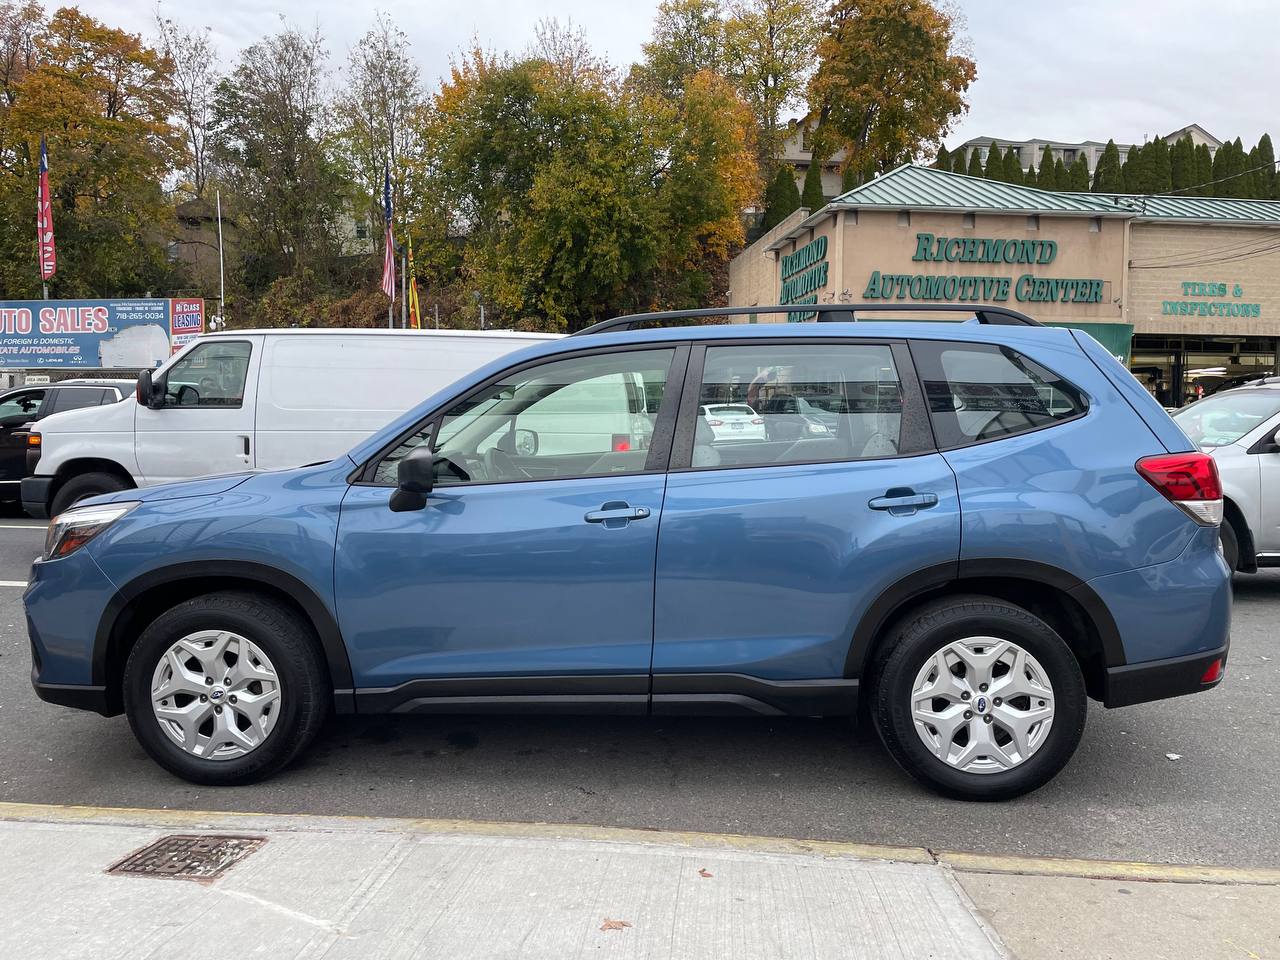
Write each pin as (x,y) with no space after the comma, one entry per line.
(529,573)
(205,425)
(16,411)
(772,549)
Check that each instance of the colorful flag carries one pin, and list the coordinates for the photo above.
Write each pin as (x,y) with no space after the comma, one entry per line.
(415,312)
(389,248)
(44,219)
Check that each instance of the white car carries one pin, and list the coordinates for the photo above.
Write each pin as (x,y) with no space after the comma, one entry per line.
(733,421)
(1238,429)
(253,400)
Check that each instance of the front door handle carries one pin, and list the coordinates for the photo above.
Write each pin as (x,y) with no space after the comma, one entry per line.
(903,501)
(616,513)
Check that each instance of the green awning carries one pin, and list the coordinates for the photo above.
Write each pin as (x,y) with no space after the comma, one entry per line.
(1116,337)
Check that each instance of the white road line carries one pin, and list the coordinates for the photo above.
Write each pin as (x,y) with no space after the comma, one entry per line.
(23,526)
(13,583)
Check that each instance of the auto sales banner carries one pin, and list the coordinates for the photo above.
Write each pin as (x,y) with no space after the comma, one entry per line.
(96,334)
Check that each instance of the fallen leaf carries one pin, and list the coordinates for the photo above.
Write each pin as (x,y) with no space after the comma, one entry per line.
(1173,756)
(614,924)
(704,872)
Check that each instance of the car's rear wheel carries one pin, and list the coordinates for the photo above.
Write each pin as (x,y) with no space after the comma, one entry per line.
(979,699)
(82,487)
(225,688)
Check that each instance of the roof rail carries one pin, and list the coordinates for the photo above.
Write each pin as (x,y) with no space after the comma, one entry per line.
(826,313)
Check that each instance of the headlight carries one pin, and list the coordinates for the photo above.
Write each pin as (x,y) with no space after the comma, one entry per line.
(71,530)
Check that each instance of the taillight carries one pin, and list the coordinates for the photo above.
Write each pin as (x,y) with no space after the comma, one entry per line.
(758,420)
(715,423)
(1214,673)
(1189,480)
(621,442)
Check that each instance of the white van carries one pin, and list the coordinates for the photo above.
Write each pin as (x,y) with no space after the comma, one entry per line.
(253,400)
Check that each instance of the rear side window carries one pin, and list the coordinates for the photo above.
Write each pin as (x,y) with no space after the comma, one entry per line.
(74,398)
(979,392)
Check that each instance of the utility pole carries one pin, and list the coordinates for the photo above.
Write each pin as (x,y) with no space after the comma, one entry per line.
(404,287)
(436,308)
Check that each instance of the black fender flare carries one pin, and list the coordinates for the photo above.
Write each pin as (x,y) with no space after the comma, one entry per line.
(891,601)
(326,626)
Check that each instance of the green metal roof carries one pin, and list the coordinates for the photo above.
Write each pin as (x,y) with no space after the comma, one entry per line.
(912,187)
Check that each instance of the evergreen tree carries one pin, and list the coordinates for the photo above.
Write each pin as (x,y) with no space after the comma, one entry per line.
(848,177)
(1046,169)
(781,198)
(1012,167)
(812,196)
(1204,172)
(1159,166)
(1129,170)
(1254,186)
(1267,176)
(1228,166)
(1060,179)
(1106,174)
(1030,178)
(1078,175)
(959,162)
(995,164)
(943,160)
(1182,164)
(975,164)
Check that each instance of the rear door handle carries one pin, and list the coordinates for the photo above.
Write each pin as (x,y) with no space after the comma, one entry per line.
(903,501)
(616,513)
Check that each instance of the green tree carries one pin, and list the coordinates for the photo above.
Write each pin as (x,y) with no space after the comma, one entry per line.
(959,162)
(1106,174)
(811,196)
(1254,184)
(1060,178)
(1267,180)
(1078,174)
(889,81)
(994,169)
(104,100)
(1228,169)
(975,164)
(688,36)
(1031,178)
(1012,166)
(943,160)
(1204,171)
(781,199)
(1182,162)
(1159,167)
(1131,170)
(1047,179)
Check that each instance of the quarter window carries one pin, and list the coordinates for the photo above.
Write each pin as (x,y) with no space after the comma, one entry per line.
(213,374)
(978,392)
(761,406)
(582,417)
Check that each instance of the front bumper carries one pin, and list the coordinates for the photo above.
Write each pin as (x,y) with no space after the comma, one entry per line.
(35,496)
(1161,679)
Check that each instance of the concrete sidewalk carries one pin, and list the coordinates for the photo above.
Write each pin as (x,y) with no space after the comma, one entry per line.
(366,888)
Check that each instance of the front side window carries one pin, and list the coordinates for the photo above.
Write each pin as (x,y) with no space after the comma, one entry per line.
(780,404)
(978,392)
(213,374)
(76,398)
(21,404)
(581,417)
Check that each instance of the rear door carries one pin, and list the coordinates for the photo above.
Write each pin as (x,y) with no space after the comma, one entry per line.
(16,411)
(770,551)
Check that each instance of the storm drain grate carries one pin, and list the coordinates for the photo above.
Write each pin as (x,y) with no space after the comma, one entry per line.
(187,857)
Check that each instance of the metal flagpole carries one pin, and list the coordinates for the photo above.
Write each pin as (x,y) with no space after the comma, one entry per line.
(404,288)
(437,312)
(222,277)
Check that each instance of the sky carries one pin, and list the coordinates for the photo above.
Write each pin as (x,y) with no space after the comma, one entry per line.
(1080,70)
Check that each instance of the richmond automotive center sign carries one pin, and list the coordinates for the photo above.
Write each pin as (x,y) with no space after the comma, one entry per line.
(95,334)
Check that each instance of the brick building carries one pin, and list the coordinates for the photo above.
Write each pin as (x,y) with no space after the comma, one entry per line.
(1187,289)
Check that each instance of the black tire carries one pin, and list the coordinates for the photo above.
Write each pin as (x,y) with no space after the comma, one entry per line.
(927,631)
(1230,545)
(286,640)
(82,487)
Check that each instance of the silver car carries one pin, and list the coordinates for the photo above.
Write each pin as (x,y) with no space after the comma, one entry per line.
(1238,429)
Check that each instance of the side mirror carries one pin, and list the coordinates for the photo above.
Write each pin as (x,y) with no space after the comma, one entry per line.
(526,443)
(148,394)
(415,476)
(1268,444)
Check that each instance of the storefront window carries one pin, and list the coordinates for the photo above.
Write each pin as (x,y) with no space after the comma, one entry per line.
(1179,370)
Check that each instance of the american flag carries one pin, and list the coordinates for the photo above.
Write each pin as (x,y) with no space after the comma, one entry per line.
(44,219)
(389,247)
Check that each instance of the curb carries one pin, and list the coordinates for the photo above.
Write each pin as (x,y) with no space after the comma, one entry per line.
(1131,870)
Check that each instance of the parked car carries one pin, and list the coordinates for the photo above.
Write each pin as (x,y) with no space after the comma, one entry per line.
(970,560)
(1238,427)
(20,408)
(737,420)
(256,400)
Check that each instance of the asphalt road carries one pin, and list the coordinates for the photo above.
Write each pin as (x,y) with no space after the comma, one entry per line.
(1119,798)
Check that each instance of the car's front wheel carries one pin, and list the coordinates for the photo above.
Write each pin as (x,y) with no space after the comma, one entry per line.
(979,699)
(225,688)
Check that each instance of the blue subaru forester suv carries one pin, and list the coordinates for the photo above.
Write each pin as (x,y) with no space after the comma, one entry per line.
(972,528)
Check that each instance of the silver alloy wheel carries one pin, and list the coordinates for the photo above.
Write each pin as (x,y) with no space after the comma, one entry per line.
(216,695)
(982,705)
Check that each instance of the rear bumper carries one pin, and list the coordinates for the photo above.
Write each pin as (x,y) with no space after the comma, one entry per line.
(73,695)
(1161,679)
(35,496)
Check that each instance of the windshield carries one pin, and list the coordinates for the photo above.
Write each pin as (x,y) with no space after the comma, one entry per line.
(1219,420)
